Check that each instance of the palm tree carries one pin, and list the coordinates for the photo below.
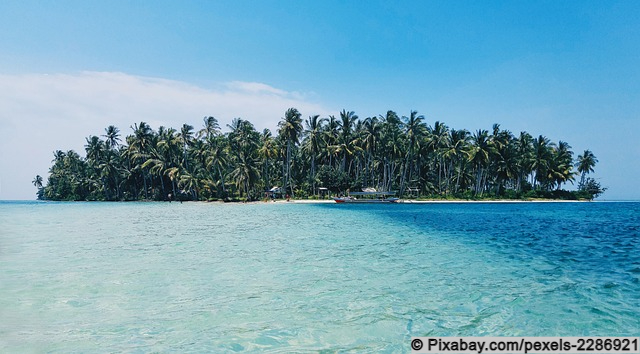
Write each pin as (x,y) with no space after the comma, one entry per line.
(391,148)
(585,164)
(371,139)
(218,159)
(243,136)
(524,152)
(542,155)
(456,152)
(562,164)
(190,183)
(186,135)
(505,161)
(268,150)
(110,172)
(95,149)
(246,174)
(139,147)
(312,144)
(290,129)
(211,128)
(439,140)
(479,156)
(346,143)
(96,153)
(143,136)
(166,157)
(112,135)
(330,137)
(37,181)
(245,142)
(414,130)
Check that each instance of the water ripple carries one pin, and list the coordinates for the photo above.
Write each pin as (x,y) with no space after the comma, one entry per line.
(276,277)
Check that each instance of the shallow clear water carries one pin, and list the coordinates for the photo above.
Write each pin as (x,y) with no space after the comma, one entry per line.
(282,277)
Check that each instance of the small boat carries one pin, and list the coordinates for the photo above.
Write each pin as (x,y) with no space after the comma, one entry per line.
(368,196)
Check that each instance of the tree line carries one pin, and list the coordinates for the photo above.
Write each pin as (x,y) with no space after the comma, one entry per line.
(338,154)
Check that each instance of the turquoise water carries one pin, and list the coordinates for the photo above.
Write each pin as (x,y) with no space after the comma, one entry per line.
(282,277)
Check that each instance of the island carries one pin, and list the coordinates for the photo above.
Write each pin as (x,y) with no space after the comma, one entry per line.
(322,156)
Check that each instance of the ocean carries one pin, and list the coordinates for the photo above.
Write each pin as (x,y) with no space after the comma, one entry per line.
(290,277)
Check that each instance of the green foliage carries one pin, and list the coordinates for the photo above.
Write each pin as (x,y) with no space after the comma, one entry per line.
(345,153)
(333,178)
(590,189)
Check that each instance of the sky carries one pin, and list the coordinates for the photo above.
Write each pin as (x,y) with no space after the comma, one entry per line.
(568,70)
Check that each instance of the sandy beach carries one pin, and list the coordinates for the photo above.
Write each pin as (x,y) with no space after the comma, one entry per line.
(413,201)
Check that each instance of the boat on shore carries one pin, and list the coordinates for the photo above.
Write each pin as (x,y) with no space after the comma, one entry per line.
(368,196)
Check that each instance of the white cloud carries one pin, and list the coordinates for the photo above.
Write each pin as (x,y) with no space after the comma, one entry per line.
(43,113)
(255,87)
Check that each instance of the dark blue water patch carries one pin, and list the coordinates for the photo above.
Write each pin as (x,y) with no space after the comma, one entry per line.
(598,238)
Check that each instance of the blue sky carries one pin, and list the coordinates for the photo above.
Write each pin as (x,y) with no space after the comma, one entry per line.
(567,70)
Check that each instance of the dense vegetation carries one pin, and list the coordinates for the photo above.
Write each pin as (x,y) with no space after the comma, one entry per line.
(402,154)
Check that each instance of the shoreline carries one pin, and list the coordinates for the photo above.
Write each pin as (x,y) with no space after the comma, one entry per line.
(404,201)
(330,201)
(415,201)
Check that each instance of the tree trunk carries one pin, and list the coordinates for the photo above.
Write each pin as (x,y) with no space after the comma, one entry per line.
(313,174)
(144,179)
(288,180)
